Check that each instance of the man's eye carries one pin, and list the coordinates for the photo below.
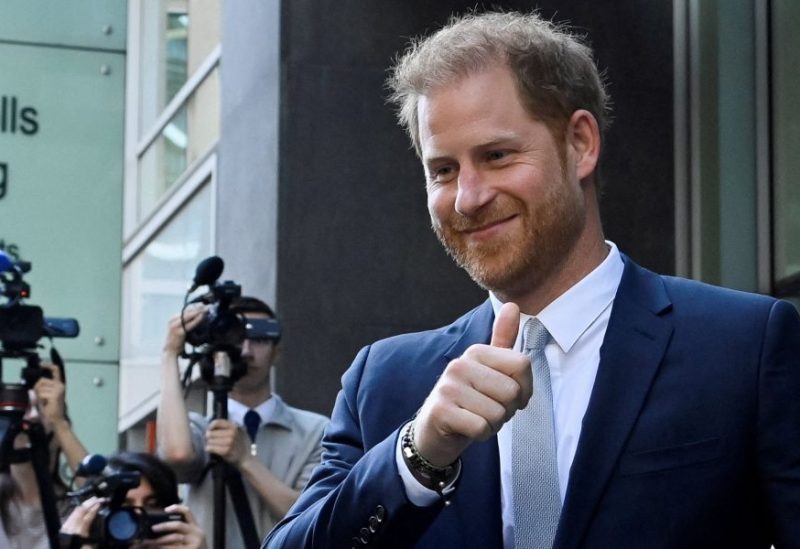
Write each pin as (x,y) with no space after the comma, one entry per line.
(442,173)
(496,155)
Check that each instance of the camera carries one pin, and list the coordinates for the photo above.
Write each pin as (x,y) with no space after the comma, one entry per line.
(219,337)
(221,327)
(116,524)
(21,328)
(121,526)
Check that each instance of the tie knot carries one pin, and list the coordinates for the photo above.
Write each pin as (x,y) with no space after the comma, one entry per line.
(535,335)
(252,421)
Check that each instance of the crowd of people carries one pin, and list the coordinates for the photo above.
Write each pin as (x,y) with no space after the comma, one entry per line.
(271,446)
(588,402)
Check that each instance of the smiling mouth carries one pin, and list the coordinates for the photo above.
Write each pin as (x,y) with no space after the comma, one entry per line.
(488,227)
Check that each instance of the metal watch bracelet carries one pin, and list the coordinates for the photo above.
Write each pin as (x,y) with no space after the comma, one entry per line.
(440,478)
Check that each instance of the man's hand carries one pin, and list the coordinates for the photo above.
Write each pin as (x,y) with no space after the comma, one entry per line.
(227,441)
(177,533)
(476,395)
(80,520)
(176,336)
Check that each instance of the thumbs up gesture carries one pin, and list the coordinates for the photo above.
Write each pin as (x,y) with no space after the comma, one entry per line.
(476,395)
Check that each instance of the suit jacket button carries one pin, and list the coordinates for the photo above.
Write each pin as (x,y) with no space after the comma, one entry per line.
(380,513)
(373,524)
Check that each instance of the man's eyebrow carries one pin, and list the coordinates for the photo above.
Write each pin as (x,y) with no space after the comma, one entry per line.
(499,141)
(437,159)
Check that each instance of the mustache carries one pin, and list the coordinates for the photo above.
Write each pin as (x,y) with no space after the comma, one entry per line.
(493,213)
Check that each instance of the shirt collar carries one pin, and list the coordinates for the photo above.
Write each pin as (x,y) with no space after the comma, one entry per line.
(571,314)
(272,411)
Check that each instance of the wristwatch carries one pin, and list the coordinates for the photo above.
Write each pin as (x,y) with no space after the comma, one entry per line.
(440,479)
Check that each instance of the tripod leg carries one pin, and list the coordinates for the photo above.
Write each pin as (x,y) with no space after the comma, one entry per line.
(241,505)
(40,459)
(218,471)
(218,475)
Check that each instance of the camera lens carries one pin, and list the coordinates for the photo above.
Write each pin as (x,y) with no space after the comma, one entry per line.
(122,525)
(13,399)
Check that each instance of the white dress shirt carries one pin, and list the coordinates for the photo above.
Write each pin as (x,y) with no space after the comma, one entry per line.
(577,322)
(237,410)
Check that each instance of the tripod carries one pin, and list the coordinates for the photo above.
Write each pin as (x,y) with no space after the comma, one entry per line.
(224,475)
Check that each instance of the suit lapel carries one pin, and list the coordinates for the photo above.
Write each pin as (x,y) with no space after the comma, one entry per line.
(477,329)
(635,342)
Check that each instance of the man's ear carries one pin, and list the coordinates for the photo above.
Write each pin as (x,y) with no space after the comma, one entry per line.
(583,140)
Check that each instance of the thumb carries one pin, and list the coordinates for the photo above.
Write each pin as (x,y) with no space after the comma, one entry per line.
(506,326)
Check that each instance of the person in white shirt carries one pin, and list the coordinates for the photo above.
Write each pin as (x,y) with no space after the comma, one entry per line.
(274,451)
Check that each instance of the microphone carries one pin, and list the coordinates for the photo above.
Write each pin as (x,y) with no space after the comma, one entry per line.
(105,481)
(91,465)
(5,262)
(207,272)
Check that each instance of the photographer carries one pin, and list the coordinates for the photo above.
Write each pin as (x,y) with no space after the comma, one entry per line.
(157,491)
(22,522)
(273,446)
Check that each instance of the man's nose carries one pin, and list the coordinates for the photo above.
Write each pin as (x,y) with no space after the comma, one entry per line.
(246,348)
(474,191)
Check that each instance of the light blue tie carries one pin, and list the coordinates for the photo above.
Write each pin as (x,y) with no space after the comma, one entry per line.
(537,498)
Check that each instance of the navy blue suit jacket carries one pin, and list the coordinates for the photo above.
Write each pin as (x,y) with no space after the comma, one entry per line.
(691,437)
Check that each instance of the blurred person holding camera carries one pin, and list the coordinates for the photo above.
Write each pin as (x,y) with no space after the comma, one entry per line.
(272,445)
(22,523)
(157,493)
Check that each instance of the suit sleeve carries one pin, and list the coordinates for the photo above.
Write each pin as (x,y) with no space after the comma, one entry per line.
(355,497)
(779,424)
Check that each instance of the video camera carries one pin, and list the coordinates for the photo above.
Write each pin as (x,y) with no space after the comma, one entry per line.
(21,328)
(223,330)
(116,524)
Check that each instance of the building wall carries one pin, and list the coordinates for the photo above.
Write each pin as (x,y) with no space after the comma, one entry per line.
(62,73)
(247,189)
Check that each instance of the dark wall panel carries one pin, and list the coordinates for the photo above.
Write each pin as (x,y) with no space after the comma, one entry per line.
(357,260)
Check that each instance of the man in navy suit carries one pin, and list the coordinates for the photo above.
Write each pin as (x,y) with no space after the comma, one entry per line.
(672,408)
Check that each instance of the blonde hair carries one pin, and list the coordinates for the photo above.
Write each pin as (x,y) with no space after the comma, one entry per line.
(554,69)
